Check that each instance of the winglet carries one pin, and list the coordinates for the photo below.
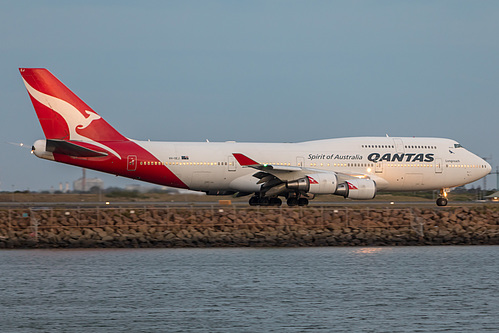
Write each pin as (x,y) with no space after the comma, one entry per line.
(244,160)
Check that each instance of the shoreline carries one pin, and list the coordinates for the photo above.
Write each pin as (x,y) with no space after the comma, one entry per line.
(231,226)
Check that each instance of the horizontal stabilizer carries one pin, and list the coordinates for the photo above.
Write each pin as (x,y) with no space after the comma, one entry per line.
(72,149)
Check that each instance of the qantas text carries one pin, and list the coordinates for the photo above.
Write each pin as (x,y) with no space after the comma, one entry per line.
(413,157)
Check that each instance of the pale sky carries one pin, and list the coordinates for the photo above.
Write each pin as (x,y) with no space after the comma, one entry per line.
(277,71)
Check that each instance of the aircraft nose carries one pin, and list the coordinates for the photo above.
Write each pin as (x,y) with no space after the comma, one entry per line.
(488,167)
(485,167)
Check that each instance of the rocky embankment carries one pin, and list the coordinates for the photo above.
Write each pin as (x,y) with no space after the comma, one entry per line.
(231,227)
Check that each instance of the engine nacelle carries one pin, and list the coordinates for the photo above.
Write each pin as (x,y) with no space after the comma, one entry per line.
(39,148)
(319,183)
(358,189)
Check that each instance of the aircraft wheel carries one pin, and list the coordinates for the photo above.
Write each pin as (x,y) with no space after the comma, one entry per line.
(292,202)
(275,202)
(302,202)
(253,201)
(264,201)
(442,202)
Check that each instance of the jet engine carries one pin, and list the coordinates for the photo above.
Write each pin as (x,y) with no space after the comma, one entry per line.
(359,189)
(326,183)
(319,183)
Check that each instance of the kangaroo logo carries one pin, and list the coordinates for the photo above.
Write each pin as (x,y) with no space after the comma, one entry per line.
(73,117)
(91,117)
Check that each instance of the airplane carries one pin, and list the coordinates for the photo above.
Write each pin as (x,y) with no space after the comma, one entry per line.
(352,167)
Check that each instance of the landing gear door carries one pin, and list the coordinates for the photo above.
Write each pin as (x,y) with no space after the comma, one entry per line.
(231,163)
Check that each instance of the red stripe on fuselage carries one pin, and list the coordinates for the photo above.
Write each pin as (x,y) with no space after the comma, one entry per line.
(154,173)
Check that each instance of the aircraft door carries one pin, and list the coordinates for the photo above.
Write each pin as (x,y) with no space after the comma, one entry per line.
(300,162)
(399,145)
(438,165)
(378,167)
(231,163)
(131,164)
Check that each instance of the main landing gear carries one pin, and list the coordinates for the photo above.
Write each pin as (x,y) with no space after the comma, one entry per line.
(442,198)
(263,201)
(275,201)
(294,201)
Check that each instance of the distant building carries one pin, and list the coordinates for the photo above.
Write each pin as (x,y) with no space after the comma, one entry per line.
(85,184)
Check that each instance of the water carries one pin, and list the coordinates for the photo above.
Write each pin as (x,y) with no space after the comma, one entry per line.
(387,289)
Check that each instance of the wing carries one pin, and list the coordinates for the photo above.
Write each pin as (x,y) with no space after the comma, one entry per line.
(285,173)
(279,180)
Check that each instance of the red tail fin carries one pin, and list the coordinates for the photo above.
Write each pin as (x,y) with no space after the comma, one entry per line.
(61,113)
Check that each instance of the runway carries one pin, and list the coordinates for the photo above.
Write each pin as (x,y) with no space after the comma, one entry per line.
(202,204)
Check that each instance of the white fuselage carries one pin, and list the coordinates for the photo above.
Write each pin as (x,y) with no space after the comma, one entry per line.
(398,164)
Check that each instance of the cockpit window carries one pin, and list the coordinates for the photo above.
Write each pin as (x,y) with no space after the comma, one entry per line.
(457,145)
